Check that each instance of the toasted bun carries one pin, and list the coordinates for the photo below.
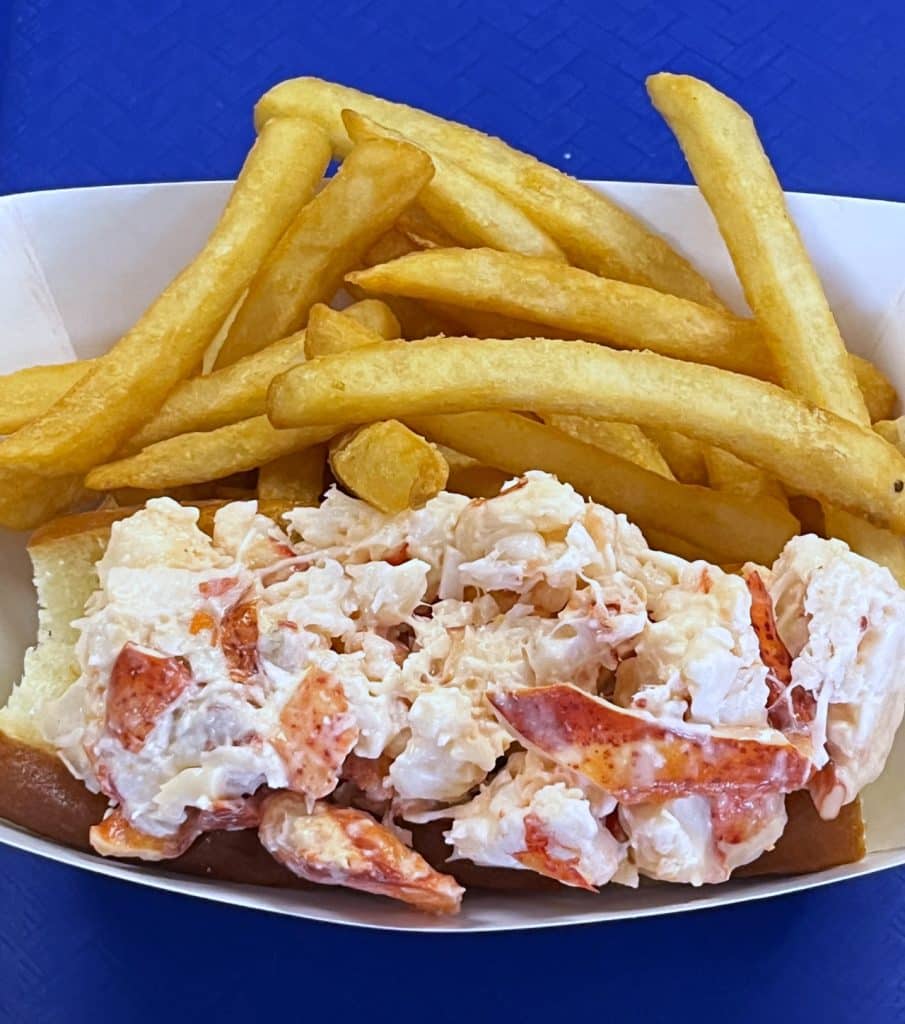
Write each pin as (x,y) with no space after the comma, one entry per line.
(38,793)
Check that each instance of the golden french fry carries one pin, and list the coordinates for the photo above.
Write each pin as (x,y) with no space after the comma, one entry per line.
(478,324)
(731,527)
(329,236)
(472,212)
(806,448)
(390,246)
(879,395)
(892,431)
(626,440)
(569,303)
(476,481)
(128,385)
(661,540)
(389,466)
(424,233)
(415,319)
(29,393)
(376,315)
(684,455)
(194,458)
(297,478)
(781,285)
(592,230)
(569,299)
(330,331)
(239,391)
(728,162)
(727,473)
(27,500)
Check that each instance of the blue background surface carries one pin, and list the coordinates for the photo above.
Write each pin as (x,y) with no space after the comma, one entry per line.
(97,92)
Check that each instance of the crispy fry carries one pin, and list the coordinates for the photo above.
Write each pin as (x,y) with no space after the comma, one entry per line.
(780,283)
(194,458)
(234,393)
(27,501)
(730,527)
(127,386)
(806,448)
(420,230)
(727,473)
(569,302)
(239,391)
(476,481)
(892,431)
(592,230)
(415,319)
(472,212)
(328,237)
(684,455)
(297,478)
(879,395)
(376,315)
(390,246)
(569,299)
(389,466)
(29,393)
(331,331)
(660,540)
(626,440)
(728,162)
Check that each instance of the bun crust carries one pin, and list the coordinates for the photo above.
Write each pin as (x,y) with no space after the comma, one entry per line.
(39,794)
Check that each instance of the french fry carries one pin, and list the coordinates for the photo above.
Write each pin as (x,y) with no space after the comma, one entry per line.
(780,283)
(728,162)
(575,303)
(420,230)
(472,212)
(569,299)
(239,391)
(593,231)
(329,236)
(389,466)
(195,458)
(127,385)
(684,455)
(297,478)
(806,448)
(376,315)
(27,500)
(476,481)
(29,393)
(390,246)
(415,319)
(660,540)
(626,440)
(892,431)
(479,324)
(879,395)
(470,477)
(727,473)
(730,527)
(329,331)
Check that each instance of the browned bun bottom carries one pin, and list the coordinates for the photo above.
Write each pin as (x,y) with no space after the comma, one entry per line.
(38,793)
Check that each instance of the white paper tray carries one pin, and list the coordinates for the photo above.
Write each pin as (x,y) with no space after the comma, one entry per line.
(80,265)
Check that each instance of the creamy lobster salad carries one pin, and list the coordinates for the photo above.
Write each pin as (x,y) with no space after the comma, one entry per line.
(523,668)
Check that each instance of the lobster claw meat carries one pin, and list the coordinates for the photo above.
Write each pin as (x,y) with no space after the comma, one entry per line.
(637,758)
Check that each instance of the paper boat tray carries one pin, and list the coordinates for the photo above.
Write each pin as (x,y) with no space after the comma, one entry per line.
(80,265)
